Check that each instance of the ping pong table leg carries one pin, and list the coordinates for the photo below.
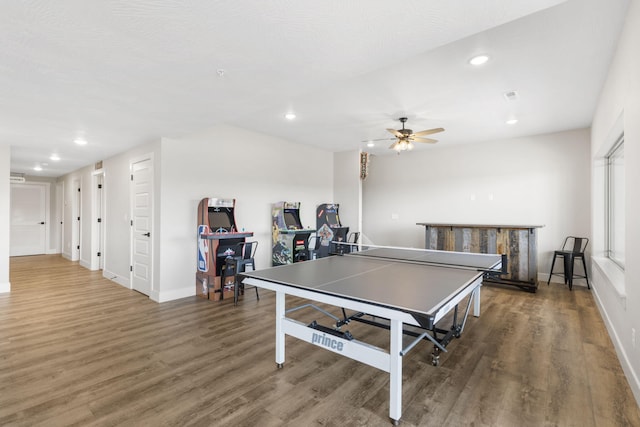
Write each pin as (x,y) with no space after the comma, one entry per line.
(395,372)
(280,308)
(476,302)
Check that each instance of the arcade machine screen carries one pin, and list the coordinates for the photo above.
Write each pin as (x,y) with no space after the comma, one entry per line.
(292,221)
(332,219)
(219,220)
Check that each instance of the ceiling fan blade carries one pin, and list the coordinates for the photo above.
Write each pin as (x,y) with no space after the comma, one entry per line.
(393,146)
(428,132)
(419,139)
(379,139)
(396,133)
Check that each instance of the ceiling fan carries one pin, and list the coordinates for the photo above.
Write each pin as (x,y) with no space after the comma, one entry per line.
(406,137)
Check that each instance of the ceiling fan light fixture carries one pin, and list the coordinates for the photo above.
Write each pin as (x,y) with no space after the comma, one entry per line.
(406,137)
(403,145)
(479,60)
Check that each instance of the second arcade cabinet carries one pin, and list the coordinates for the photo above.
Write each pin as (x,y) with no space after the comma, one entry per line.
(329,228)
(290,240)
(218,238)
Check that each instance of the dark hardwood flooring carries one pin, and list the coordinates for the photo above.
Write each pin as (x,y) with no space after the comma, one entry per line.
(77,349)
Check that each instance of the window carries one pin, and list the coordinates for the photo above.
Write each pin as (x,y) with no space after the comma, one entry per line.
(615,203)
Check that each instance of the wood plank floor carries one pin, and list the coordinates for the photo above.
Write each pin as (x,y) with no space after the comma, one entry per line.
(77,349)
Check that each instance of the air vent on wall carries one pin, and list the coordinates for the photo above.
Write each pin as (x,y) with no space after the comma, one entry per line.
(511,95)
(16,179)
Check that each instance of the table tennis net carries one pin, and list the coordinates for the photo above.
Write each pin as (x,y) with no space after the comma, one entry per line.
(465,260)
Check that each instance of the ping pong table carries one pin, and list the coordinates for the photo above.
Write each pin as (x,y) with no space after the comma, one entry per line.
(383,286)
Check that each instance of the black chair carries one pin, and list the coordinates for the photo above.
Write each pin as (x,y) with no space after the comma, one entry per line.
(245,256)
(353,237)
(245,253)
(352,240)
(572,249)
(314,246)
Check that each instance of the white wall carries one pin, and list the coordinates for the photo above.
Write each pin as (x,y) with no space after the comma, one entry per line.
(69,226)
(86,215)
(5,159)
(618,292)
(77,205)
(117,211)
(347,188)
(255,169)
(538,180)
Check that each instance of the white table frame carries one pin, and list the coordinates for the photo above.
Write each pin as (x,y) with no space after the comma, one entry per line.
(376,357)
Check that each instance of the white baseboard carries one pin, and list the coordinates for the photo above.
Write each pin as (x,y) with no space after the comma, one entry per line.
(632,376)
(120,280)
(5,287)
(156,296)
(173,294)
(85,264)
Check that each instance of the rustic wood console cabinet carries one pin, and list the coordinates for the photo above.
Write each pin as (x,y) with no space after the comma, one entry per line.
(517,242)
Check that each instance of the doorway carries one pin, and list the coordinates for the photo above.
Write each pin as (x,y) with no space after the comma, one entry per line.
(29,216)
(97,221)
(142,225)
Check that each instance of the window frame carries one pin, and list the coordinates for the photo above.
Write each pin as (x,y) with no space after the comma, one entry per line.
(614,202)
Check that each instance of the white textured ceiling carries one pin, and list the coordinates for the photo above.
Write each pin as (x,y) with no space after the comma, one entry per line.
(125,72)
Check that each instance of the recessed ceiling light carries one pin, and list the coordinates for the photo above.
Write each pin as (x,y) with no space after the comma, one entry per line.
(37,168)
(511,121)
(54,157)
(371,144)
(80,141)
(479,60)
(290,116)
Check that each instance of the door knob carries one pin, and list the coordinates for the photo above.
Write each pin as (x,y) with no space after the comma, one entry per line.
(148,234)
(41,222)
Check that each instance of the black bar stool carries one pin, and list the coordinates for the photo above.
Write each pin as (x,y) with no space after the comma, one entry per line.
(572,249)
(246,253)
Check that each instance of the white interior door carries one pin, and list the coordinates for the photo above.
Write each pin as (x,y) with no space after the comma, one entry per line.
(141,239)
(97,221)
(76,209)
(100,211)
(28,219)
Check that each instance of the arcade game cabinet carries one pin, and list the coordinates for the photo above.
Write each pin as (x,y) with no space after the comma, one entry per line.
(329,228)
(218,238)
(289,239)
